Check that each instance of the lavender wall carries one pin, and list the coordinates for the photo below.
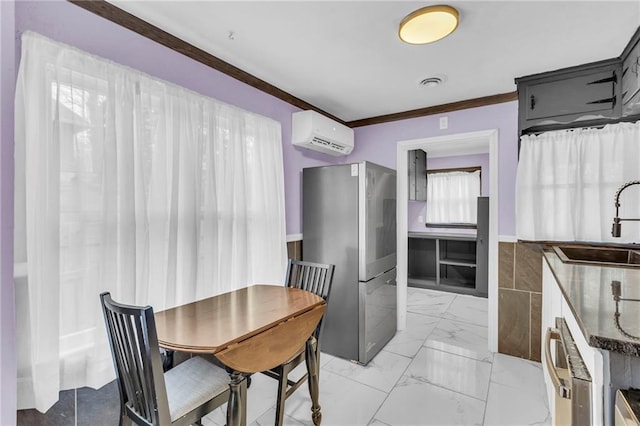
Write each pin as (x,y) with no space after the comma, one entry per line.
(377,143)
(7,310)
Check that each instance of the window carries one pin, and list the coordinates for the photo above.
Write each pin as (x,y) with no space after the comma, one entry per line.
(452,197)
(567,181)
(129,184)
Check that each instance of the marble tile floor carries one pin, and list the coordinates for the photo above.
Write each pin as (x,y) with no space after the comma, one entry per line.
(436,372)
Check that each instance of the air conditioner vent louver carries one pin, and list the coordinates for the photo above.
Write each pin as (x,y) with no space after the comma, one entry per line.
(323,142)
(319,133)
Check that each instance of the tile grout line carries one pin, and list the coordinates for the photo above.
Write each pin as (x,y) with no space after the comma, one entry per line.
(529,328)
(401,375)
(450,390)
(513,268)
(455,354)
(486,403)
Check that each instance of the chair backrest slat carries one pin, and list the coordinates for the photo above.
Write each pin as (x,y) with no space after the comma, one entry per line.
(120,343)
(136,357)
(312,277)
(143,378)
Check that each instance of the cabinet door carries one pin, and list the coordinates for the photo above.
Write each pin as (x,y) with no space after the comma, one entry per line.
(482,246)
(417,175)
(631,82)
(581,94)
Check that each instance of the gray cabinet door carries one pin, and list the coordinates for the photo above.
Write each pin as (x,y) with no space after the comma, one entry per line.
(417,175)
(581,94)
(590,91)
(482,247)
(631,81)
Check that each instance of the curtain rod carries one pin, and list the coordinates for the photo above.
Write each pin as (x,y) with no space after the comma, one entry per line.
(455,169)
(586,124)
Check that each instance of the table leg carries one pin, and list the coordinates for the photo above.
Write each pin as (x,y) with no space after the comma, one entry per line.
(314,388)
(237,406)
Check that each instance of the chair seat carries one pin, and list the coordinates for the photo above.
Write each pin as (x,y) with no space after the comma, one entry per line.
(192,383)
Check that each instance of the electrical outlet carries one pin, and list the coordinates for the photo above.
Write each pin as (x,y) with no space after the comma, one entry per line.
(444,123)
(420,219)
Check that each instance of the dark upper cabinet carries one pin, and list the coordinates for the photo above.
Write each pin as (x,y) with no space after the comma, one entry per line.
(631,77)
(563,96)
(592,94)
(417,175)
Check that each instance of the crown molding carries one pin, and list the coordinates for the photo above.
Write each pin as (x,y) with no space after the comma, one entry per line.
(438,109)
(125,19)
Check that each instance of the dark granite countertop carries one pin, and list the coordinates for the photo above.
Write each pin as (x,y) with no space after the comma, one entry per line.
(606,323)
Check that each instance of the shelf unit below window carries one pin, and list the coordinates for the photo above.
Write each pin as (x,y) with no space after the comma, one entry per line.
(458,262)
(443,262)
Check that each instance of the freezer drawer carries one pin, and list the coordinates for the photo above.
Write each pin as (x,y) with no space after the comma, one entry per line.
(378,314)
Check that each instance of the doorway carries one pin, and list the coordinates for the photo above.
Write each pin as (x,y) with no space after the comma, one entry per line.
(458,144)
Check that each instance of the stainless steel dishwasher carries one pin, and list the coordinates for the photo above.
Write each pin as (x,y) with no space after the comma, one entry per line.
(569,375)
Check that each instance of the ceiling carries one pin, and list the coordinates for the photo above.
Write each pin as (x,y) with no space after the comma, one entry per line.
(345,57)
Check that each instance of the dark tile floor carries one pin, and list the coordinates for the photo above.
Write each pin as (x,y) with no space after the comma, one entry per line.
(63,412)
(92,407)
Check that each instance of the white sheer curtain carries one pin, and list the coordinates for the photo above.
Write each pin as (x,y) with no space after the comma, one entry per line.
(452,197)
(567,181)
(129,184)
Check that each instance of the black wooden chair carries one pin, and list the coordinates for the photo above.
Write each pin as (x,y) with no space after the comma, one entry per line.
(315,278)
(181,396)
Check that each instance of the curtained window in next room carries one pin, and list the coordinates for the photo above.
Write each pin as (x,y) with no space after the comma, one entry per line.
(129,184)
(452,197)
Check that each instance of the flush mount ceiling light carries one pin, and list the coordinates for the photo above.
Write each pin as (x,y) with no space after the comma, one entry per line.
(428,24)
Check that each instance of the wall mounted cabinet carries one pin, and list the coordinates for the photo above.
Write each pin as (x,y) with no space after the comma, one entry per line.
(593,94)
(631,77)
(563,96)
(417,175)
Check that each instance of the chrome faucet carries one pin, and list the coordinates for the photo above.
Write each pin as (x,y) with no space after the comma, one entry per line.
(617,226)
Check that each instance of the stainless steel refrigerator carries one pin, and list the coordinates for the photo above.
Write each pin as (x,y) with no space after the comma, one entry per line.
(349,220)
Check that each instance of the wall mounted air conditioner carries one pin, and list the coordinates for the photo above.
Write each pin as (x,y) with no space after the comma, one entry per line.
(315,131)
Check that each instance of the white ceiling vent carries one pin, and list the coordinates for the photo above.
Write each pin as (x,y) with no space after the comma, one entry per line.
(315,131)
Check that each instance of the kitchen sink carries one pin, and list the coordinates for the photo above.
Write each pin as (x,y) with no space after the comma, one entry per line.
(606,256)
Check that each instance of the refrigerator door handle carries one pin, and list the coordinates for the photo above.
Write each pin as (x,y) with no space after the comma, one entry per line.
(362,223)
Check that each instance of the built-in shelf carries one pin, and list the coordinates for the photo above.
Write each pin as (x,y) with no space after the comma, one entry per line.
(443,261)
(455,262)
